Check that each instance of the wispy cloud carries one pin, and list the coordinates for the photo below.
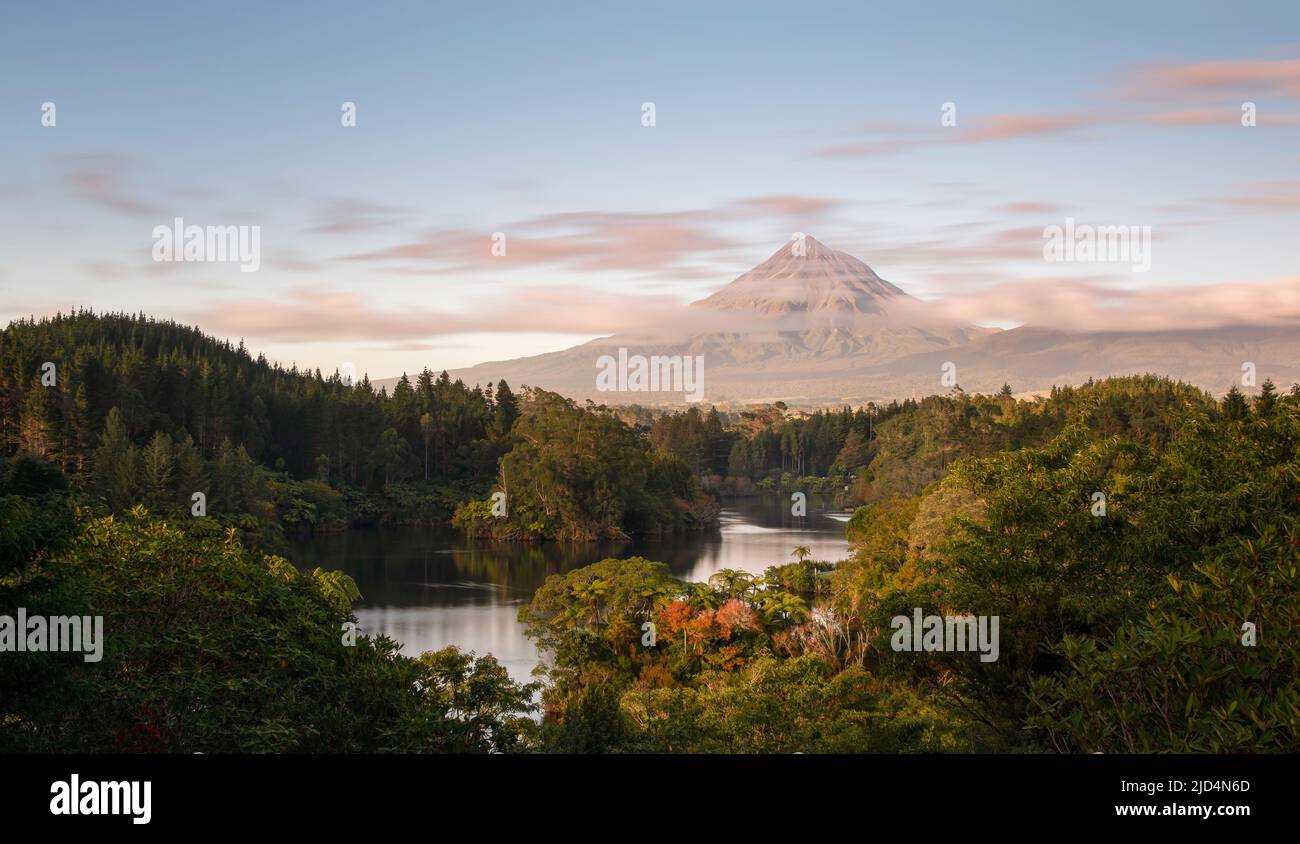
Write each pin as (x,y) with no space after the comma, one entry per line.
(1007,127)
(890,139)
(1229,117)
(97,178)
(1196,93)
(1266,196)
(347,215)
(306,314)
(1258,77)
(1031,207)
(1086,305)
(1096,306)
(666,243)
(788,205)
(619,243)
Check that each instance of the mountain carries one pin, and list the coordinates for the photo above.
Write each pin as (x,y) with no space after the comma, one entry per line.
(819,314)
(821,304)
(816,280)
(822,327)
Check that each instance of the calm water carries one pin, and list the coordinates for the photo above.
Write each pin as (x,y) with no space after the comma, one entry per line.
(428,589)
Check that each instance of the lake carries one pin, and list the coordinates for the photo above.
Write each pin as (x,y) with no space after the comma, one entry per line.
(431,588)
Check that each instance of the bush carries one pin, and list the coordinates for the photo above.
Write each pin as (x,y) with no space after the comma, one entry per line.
(209,647)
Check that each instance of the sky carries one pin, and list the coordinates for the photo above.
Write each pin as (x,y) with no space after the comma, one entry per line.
(528,121)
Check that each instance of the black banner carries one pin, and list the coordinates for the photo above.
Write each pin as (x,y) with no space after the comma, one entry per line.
(202,793)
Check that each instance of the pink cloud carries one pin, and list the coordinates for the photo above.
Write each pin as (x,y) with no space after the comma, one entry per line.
(1087,305)
(1267,196)
(1251,77)
(1005,127)
(977,130)
(786,205)
(1031,208)
(1093,305)
(1227,116)
(666,243)
(613,244)
(865,149)
(1258,76)
(307,315)
(97,178)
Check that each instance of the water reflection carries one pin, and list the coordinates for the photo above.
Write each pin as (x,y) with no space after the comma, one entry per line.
(428,589)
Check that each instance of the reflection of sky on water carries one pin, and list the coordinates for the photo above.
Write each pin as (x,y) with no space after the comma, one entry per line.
(752,547)
(429,589)
(487,629)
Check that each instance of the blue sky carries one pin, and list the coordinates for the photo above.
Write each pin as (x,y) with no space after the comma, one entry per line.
(525,119)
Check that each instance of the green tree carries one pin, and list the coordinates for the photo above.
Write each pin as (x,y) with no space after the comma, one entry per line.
(190,473)
(157,471)
(427,431)
(116,465)
(392,453)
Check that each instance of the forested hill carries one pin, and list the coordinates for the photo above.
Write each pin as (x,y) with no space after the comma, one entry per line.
(140,411)
(169,378)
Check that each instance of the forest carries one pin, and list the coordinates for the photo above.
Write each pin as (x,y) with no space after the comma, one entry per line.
(150,412)
(1122,626)
(1122,631)
(900,446)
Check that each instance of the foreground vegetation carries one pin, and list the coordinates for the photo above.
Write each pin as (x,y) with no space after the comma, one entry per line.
(1121,631)
(211,647)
